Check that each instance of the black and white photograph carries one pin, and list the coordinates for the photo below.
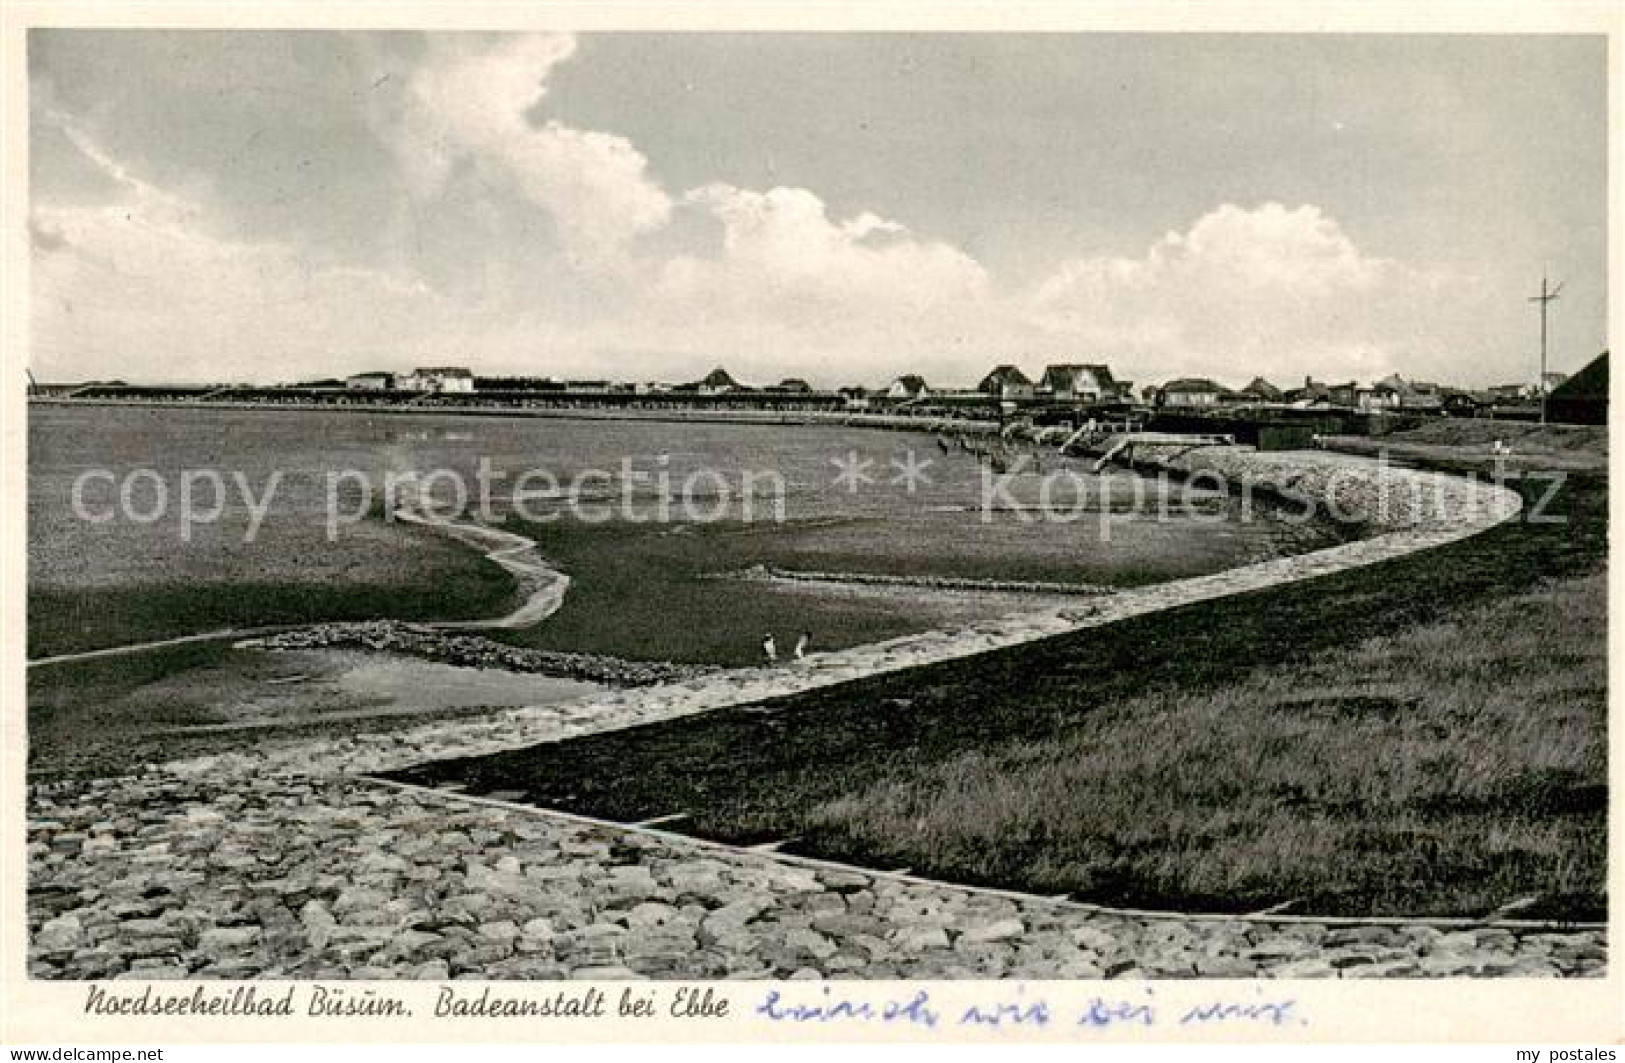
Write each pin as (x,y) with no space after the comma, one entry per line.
(875,532)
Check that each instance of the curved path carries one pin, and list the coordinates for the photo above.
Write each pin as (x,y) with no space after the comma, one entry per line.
(280,862)
(542,585)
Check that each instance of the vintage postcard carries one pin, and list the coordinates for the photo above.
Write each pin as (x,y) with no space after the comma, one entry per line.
(1072,523)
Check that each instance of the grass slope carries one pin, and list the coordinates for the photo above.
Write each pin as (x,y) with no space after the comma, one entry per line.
(1451,767)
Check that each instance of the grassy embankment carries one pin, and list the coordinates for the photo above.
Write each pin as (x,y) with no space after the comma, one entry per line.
(1425,736)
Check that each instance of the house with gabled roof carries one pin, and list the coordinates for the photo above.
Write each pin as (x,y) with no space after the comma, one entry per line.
(1394,392)
(1261,390)
(1006,382)
(909,387)
(1079,382)
(716,382)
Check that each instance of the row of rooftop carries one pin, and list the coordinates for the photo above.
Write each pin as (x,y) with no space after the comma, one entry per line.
(1064,382)
(1071,385)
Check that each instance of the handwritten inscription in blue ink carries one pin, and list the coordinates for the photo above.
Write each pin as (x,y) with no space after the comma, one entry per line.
(1029,1013)
(1100,1013)
(1270,1012)
(1018,1011)
(915,1010)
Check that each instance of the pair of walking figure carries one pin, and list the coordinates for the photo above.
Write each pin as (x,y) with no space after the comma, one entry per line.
(770,649)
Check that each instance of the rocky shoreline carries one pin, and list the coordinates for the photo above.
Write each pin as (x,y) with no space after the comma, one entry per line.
(476,651)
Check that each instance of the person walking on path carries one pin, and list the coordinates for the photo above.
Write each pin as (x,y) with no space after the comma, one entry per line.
(769,649)
(801,645)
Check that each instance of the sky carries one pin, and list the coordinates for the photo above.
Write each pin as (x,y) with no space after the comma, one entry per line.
(280,205)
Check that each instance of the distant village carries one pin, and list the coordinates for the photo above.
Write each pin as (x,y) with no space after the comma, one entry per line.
(1060,392)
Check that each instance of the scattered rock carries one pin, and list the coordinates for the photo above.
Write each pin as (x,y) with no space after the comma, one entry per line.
(920,939)
(1003,930)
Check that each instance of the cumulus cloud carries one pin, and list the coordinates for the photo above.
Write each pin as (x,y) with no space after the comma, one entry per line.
(781,247)
(1244,290)
(470,103)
